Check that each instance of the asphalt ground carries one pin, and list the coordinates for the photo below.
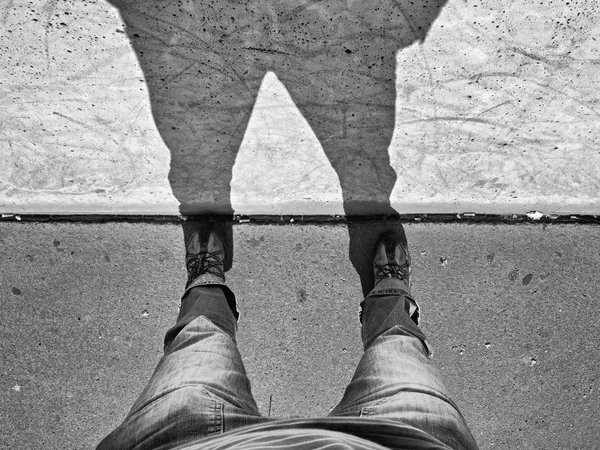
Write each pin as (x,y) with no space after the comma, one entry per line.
(511,310)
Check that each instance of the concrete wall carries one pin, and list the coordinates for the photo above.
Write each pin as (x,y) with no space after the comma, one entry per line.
(492,107)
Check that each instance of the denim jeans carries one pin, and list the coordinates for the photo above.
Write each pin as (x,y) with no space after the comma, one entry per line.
(200,387)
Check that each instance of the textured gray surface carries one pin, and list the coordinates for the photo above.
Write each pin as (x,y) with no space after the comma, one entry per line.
(511,310)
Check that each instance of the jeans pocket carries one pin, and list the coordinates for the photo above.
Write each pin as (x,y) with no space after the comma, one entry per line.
(176,418)
(235,417)
(375,408)
(429,413)
(346,411)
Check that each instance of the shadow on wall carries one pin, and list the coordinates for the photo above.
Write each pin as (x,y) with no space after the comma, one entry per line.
(204,62)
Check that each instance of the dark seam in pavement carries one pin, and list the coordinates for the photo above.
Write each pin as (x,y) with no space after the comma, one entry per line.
(469,218)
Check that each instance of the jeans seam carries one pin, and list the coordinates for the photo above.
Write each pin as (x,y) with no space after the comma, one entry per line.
(218,418)
(432,393)
(388,291)
(370,410)
(367,411)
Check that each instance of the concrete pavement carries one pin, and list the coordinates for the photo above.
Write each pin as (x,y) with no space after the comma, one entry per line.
(511,310)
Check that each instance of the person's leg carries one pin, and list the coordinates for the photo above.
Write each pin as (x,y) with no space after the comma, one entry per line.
(395,377)
(199,387)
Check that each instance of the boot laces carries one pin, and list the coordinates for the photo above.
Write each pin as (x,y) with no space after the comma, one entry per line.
(392,270)
(198,264)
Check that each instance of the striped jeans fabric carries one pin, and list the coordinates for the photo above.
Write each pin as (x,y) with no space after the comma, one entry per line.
(200,387)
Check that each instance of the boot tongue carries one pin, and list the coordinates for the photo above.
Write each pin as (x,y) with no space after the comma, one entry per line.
(193,245)
(398,254)
(390,252)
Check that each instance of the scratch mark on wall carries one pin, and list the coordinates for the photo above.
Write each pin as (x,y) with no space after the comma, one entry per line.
(266,50)
(425,60)
(454,119)
(87,127)
(49,8)
(304,177)
(493,107)
(533,56)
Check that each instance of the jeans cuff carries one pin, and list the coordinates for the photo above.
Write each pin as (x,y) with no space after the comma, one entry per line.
(212,281)
(389,289)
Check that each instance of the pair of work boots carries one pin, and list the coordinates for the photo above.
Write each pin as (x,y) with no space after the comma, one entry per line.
(205,260)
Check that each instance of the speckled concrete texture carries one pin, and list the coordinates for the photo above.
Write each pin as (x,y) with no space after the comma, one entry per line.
(511,310)
(287,107)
